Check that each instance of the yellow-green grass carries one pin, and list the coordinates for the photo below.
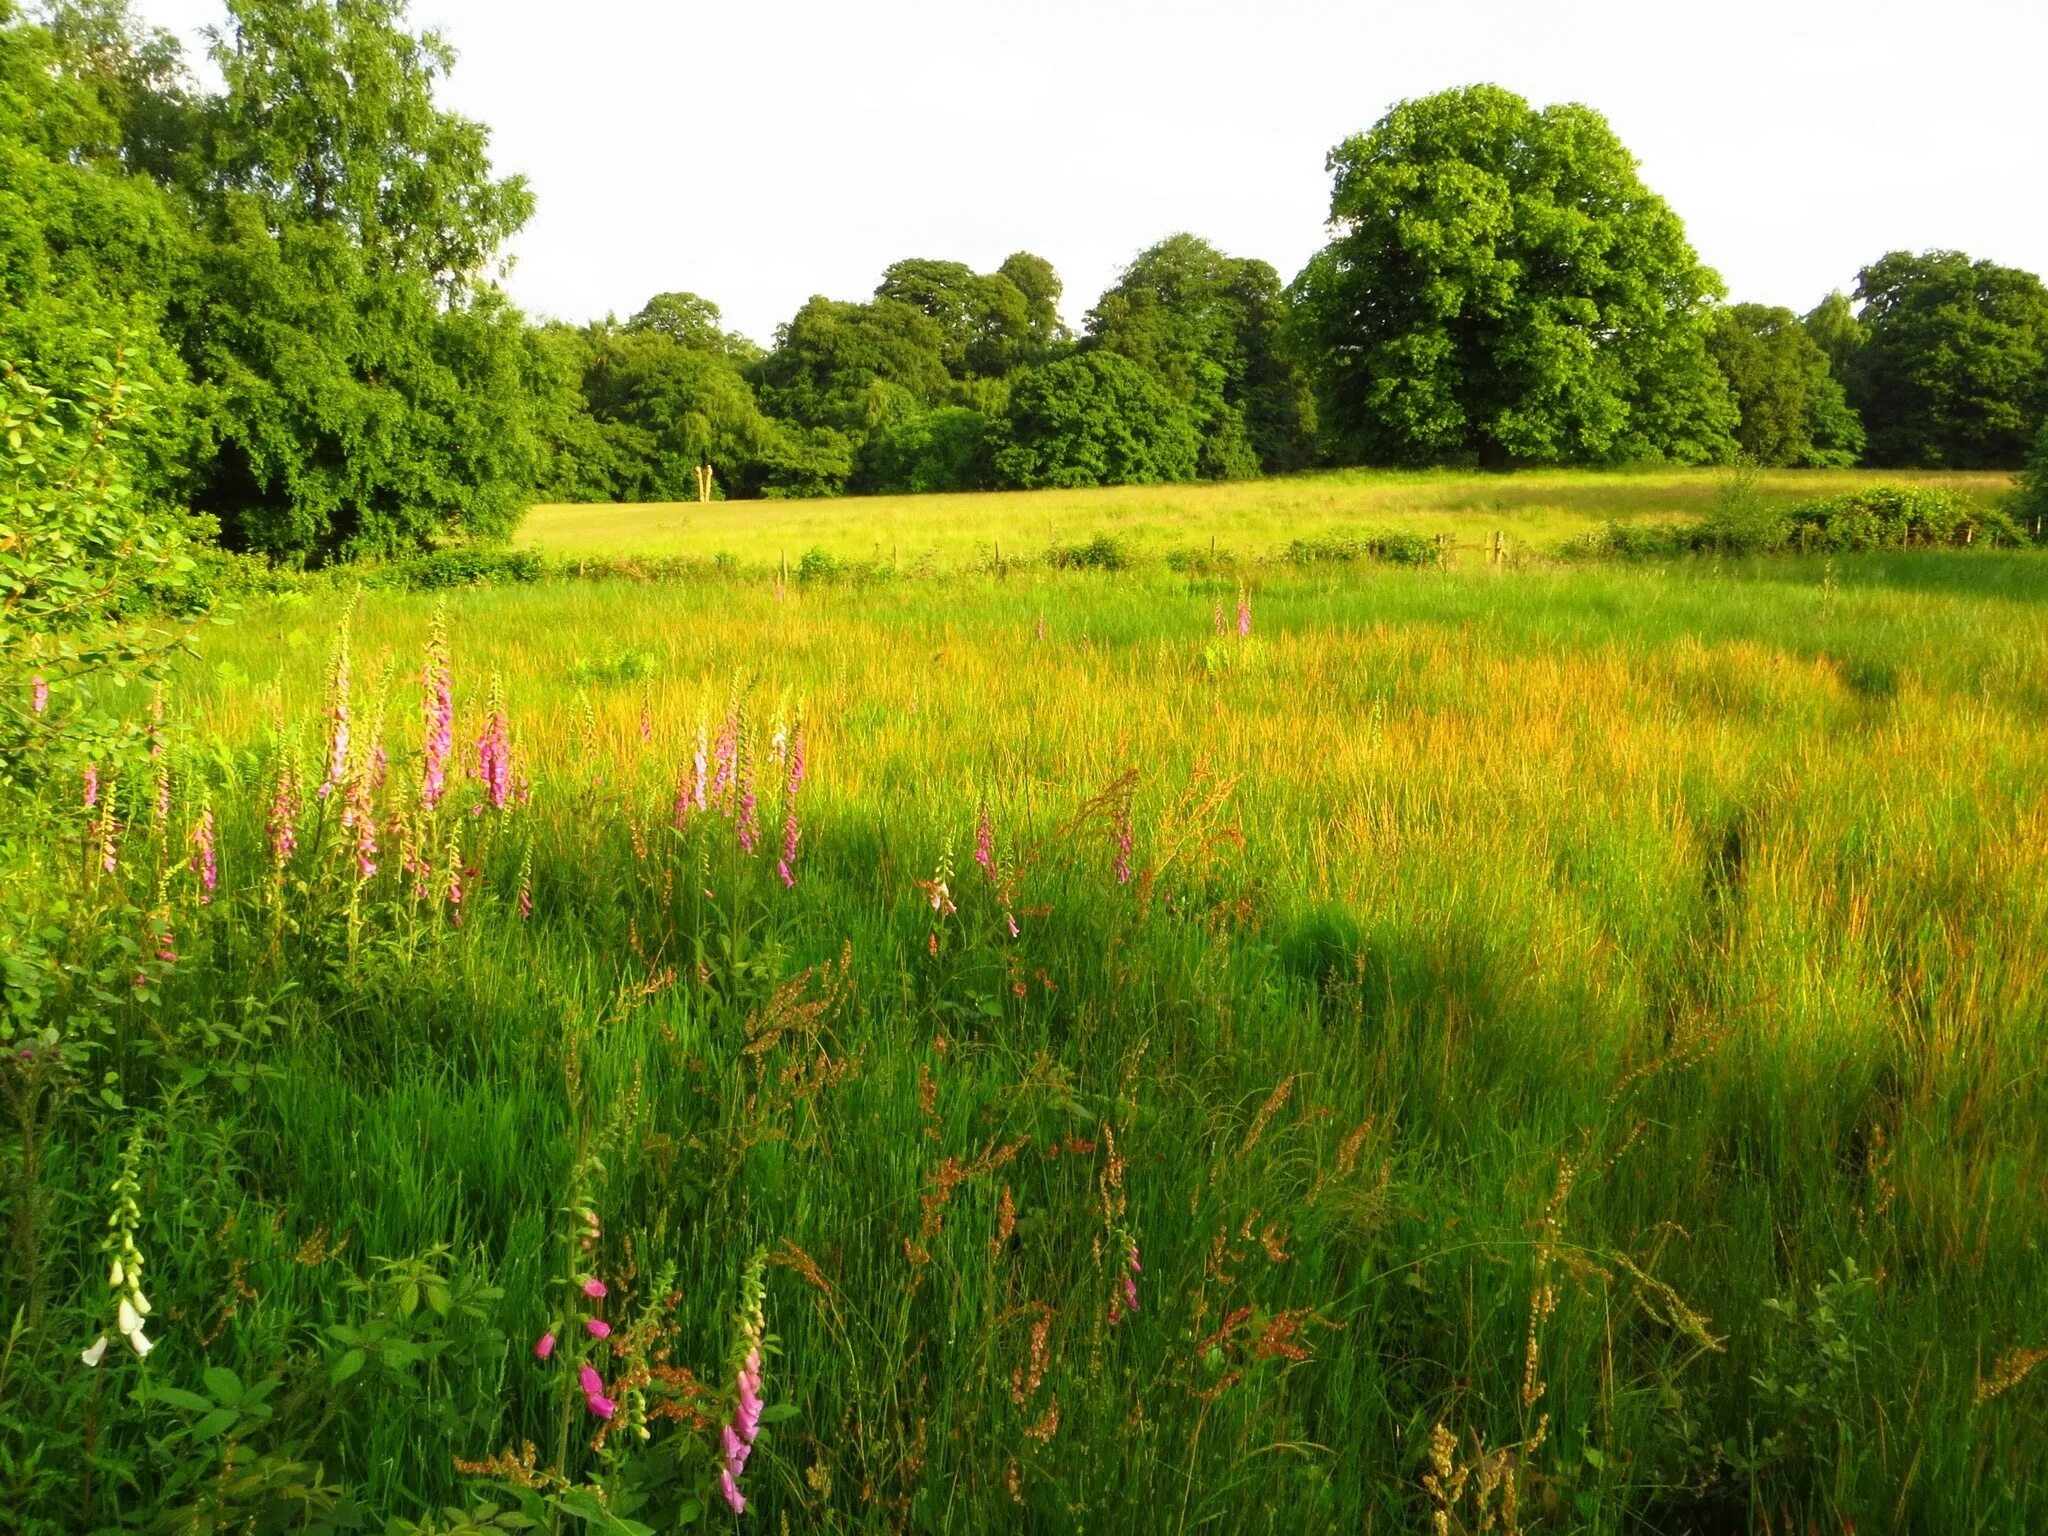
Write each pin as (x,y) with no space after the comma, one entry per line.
(1612,957)
(1250,520)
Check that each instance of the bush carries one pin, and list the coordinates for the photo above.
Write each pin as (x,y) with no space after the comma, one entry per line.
(1884,517)
(463,566)
(2030,509)
(1101,553)
(1340,548)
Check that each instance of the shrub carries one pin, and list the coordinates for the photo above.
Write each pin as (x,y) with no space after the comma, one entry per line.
(2031,507)
(1340,548)
(1101,553)
(463,566)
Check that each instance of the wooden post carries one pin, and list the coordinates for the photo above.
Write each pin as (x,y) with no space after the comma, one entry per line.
(1498,553)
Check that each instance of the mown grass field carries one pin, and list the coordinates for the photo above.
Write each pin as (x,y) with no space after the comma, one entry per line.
(1255,520)
(1569,1045)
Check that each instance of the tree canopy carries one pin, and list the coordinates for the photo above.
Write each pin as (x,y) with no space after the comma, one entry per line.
(1095,419)
(1208,327)
(1503,289)
(1792,409)
(1952,369)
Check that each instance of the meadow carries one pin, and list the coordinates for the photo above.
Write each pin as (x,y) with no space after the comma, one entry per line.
(1536,510)
(1345,1049)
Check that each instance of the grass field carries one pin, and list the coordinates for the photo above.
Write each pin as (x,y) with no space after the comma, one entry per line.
(1549,1049)
(1255,520)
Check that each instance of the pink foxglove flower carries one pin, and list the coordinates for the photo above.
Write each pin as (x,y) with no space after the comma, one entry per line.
(543,1346)
(597,1327)
(792,830)
(1122,866)
(600,1405)
(588,1379)
(1244,614)
(437,717)
(38,701)
(92,785)
(732,1493)
(337,722)
(494,754)
(985,843)
(203,858)
(594,1288)
(282,822)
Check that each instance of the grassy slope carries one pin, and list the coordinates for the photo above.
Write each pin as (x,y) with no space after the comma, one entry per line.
(1724,892)
(1253,519)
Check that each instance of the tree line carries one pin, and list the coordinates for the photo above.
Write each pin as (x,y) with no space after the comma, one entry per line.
(302,268)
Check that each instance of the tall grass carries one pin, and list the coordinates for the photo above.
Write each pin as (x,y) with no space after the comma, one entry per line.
(1568,1053)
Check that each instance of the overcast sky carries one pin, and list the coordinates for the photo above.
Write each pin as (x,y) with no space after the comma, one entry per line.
(760,151)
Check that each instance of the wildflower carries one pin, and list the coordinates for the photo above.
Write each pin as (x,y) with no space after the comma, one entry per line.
(124,1273)
(588,1379)
(282,821)
(597,1327)
(697,765)
(455,892)
(337,718)
(736,1438)
(1041,626)
(108,828)
(543,1346)
(1122,866)
(38,701)
(646,718)
(985,842)
(1244,613)
(494,752)
(594,1288)
(202,861)
(92,785)
(749,819)
(601,1405)
(526,886)
(1216,618)
(437,714)
(791,829)
(163,794)
(359,816)
(725,752)
(1131,1272)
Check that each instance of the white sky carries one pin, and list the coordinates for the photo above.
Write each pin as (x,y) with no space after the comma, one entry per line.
(760,151)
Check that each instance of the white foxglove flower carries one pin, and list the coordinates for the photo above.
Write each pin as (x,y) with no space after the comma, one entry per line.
(142,1346)
(116,1275)
(93,1353)
(141,1301)
(127,1319)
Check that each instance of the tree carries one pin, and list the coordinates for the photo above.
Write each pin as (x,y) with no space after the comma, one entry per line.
(372,386)
(987,322)
(1953,371)
(1035,278)
(1094,419)
(2032,508)
(1833,327)
(1792,408)
(1208,324)
(693,322)
(941,450)
(851,366)
(89,247)
(1502,288)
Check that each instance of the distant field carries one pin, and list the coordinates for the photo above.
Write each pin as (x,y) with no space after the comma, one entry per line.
(1537,509)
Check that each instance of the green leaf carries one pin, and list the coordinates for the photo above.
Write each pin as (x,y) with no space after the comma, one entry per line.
(224,1384)
(778,1412)
(347,1366)
(178,1397)
(215,1423)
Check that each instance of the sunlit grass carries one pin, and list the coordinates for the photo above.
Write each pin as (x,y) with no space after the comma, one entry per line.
(1250,520)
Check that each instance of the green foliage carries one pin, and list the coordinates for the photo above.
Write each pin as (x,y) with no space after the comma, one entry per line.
(1953,367)
(1793,410)
(2031,506)
(1094,419)
(947,449)
(1208,327)
(1884,517)
(93,575)
(1503,289)
(372,388)
(987,323)
(1343,549)
(85,247)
